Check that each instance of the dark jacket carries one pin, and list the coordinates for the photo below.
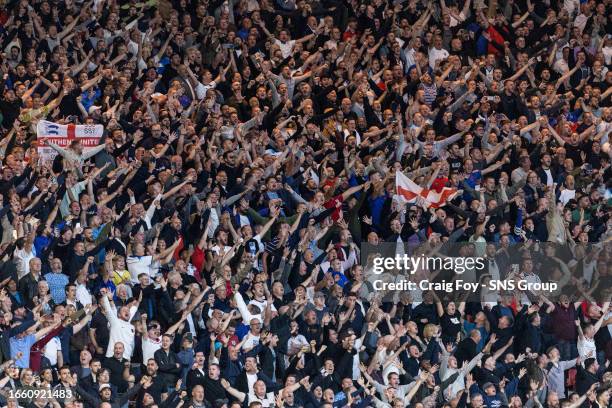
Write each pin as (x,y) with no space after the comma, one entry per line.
(584,380)
(116,402)
(272,365)
(28,287)
(195,377)
(169,366)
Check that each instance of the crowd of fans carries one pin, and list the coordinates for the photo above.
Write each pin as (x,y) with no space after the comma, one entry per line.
(210,251)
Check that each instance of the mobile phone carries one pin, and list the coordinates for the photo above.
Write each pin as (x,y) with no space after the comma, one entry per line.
(77,225)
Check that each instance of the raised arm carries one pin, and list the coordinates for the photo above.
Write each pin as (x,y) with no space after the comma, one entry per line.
(568,74)
(520,72)
(93,81)
(176,188)
(68,28)
(518,22)
(240,396)
(605,309)
(556,135)
(109,312)
(502,350)
(352,191)
(270,222)
(43,332)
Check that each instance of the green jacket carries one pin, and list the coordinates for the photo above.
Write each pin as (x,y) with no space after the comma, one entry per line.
(260,219)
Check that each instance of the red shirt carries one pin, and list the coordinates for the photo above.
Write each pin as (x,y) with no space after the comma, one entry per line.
(197,260)
(439,183)
(337,203)
(179,248)
(348,35)
(495,37)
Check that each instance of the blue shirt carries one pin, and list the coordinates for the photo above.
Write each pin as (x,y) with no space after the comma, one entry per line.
(57,285)
(484,336)
(22,345)
(88,101)
(40,243)
(96,233)
(339,278)
(376,204)
(474,178)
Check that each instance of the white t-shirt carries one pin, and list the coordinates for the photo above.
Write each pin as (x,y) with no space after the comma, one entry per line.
(217,249)
(607,52)
(581,21)
(149,347)
(567,195)
(454,22)
(51,350)
(251,379)
(139,264)
(83,295)
(561,66)
(262,304)
(265,403)
(22,259)
(571,6)
(252,342)
(357,136)
(202,89)
(586,347)
(436,55)
(549,177)
(285,48)
(120,330)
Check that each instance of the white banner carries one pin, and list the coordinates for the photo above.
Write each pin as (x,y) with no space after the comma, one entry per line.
(63,135)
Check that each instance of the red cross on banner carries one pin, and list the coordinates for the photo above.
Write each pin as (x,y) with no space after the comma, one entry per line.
(408,191)
(70,133)
(63,135)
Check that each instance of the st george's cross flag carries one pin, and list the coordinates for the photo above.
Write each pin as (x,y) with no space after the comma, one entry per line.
(408,191)
(63,135)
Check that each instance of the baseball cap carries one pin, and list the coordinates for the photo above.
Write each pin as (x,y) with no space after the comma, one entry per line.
(104,386)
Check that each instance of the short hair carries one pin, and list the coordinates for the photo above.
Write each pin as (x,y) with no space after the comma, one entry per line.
(589,362)
(550,349)
(390,374)
(429,330)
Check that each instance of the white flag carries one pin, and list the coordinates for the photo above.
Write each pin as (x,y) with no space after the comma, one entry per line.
(63,135)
